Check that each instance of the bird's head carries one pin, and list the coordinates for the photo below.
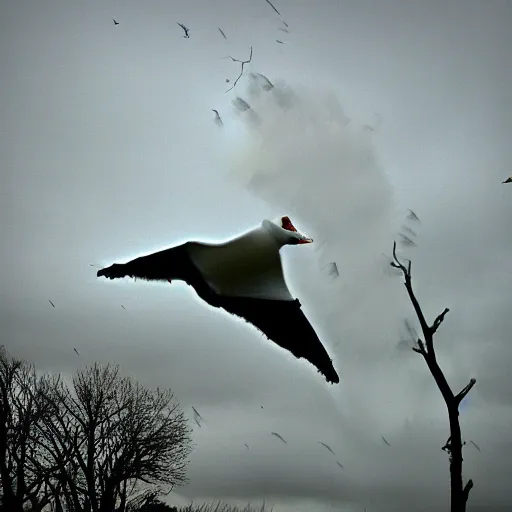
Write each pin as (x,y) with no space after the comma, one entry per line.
(285,232)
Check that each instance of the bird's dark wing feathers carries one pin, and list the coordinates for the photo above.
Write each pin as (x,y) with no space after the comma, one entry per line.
(284,323)
(169,264)
(159,266)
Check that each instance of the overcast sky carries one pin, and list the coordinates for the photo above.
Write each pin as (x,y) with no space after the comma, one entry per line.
(109,151)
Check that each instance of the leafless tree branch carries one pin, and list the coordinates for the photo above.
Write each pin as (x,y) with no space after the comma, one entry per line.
(243,63)
(85,448)
(459,493)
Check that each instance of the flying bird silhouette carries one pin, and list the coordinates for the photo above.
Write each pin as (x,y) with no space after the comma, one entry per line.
(409,230)
(267,84)
(244,276)
(385,440)
(196,412)
(508,180)
(76,351)
(340,465)
(475,445)
(280,42)
(51,302)
(413,216)
(332,270)
(218,120)
(241,104)
(185,29)
(279,437)
(262,81)
(327,446)
(272,5)
(407,240)
(115,22)
(222,32)
(123,307)
(246,445)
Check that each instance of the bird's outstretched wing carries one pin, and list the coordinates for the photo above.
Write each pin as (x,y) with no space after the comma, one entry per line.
(412,216)
(326,446)
(166,265)
(159,266)
(284,323)
(275,434)
(185,29)
(385,440)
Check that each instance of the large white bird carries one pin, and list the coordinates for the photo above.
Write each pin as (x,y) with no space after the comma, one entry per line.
(244,276)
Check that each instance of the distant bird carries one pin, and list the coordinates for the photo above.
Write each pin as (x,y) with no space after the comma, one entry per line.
(411,339)
(51,302)
(261,406)
(407,240)
(266,84)
(246,445)
(279,437)
(218,120)
(115,22)
(508,180)
(271,5)
(76,351)
(196,413)
(222,32)
(280,42)
(413,216)
(185,29)
(123,307)
(284,23)
(197,422)
(340,465)
(244,276)
(284,30)
(409,230)
(385,440)
(332,270)
(241,104)
(327,446)
(475,445)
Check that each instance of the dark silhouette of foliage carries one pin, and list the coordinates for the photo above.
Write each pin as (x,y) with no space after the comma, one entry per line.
(88,447)
(157,506)
(459,492)
(23,476)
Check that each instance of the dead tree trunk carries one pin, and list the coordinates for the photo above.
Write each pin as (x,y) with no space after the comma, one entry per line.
(459,492)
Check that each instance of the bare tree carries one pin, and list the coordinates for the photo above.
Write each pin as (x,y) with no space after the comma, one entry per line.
(459,491)
(108,435)
(23,474)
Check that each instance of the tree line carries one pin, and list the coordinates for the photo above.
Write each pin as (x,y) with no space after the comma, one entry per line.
(100,443)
